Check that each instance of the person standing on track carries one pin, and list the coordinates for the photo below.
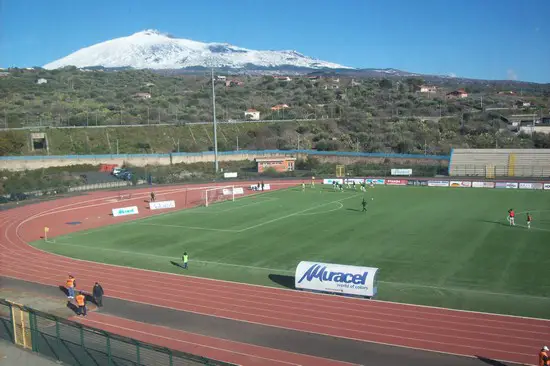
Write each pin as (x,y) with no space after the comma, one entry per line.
(152,196)
(543,357)
(81,303)
(97,293)
(185,258)
(70,286)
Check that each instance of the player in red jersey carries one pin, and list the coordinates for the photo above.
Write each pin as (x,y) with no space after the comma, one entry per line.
(529,219)
(511,217)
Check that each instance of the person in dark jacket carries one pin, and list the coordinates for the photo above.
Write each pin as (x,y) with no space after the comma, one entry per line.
(98,294)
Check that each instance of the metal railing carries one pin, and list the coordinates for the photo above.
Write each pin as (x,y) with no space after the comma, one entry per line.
(499,171)
(76,344)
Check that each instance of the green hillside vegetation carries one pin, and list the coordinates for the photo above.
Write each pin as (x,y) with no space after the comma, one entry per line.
(371,115)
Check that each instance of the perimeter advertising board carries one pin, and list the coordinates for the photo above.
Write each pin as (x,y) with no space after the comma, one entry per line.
(483,184)
(229,191)
(531,186)
(124,211)
(162,204)
(438,183)
(463,184)
(375,181)
(330,181)
(407,172)
(547,186)
(397,182)
(336,278)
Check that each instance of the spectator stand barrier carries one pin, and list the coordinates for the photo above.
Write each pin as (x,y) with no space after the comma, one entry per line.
(76,344)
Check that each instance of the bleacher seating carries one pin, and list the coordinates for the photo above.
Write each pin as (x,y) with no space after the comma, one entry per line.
(492,163)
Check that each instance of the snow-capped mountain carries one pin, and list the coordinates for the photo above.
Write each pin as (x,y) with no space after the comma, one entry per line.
(151,49)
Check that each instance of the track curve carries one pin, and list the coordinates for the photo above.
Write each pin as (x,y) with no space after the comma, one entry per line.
(498,337)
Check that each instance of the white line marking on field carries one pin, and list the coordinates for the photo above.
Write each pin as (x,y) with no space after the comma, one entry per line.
(190,227)
(340,206)
(279,270)
(295,214)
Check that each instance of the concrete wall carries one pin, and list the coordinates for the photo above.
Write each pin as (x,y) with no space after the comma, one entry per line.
(20,163)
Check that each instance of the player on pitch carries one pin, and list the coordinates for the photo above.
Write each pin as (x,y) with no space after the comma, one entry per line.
(364,204)
(511,217)
(529,219)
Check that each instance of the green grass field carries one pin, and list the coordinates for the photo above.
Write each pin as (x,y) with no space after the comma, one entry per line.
(449,247)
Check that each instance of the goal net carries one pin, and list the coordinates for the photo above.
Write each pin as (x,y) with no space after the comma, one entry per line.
(218,194)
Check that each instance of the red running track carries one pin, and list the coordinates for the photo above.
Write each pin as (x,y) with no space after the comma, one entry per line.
(496,337)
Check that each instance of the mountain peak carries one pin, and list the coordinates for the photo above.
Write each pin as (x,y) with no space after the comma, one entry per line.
(152,49)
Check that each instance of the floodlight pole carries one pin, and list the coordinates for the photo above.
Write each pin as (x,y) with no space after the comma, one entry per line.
(215,124)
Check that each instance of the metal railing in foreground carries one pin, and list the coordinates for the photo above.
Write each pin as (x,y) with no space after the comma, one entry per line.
(77,344)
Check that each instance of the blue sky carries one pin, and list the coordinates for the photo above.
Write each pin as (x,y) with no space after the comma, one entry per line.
(488,39)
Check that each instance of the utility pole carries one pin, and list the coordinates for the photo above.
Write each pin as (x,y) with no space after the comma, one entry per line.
(6,118)
(482,102)
(117,146)
(237,142)
(148,115)
(215,124)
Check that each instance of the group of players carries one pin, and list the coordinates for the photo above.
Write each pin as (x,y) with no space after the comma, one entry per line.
(337,186)
(512,217)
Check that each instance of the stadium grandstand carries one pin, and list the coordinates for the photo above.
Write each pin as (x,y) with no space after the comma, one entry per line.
(493,163)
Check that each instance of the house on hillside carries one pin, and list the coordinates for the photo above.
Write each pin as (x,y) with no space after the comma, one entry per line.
(522,104)
(229,83)
(457,94)
(506,93)
(41,81)
(279,107)
(4,74)
(283,78)
(252,114)
(142,96)
(428,89)
(221,78)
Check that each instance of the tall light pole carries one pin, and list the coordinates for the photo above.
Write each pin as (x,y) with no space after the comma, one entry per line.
(215,124)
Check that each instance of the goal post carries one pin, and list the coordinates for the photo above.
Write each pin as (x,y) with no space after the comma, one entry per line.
(217,194)
(340,171)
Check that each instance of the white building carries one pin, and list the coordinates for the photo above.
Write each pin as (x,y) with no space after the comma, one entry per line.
(252,114)
(41,81)
(428,89)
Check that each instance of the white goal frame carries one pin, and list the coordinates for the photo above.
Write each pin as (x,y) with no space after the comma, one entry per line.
(206,194)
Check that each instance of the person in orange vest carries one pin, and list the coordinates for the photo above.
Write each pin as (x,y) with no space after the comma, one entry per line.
(81,303)
(543,357)
(70,286)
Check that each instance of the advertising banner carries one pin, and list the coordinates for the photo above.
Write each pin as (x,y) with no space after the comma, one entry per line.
(375,181)
(124,211)
(162,204)
(531,186)
(356,180)
(438,183)
(416,182)
(546,185)
(230,175)
(397,182)
(500,185)
(336,278)
(329,181)
(408,172)
(229,191)
(483,184)
(463,184)
(511,185)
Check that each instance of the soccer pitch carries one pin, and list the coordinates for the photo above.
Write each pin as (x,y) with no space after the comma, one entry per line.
(449,247)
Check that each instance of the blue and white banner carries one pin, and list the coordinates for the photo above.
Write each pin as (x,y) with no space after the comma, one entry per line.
(530,186)
(330,181)
(162,204)
(336,278)
(124,211)
(375,181)
(546,186)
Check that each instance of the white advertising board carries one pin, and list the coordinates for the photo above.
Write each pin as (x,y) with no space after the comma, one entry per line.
(438,183)
(356,180)
(530,186)
(162,204)
(329,181)
(375,181)
(229,191)
(546,185)
(408,172)
(463,184)
(336,278)
(483,184)
(230,175)
(511,185)
(124,211)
